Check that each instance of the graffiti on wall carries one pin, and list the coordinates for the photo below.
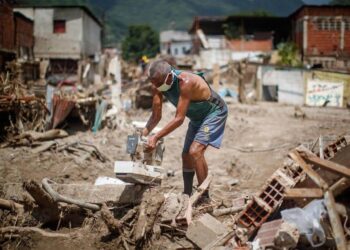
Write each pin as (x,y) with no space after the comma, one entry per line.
(321,93)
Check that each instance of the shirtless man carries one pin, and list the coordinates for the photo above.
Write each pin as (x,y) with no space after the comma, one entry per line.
(193,97)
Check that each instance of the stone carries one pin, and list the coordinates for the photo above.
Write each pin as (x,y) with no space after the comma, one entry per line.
(206,230)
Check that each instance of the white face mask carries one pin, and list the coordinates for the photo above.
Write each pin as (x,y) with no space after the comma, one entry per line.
(165,87)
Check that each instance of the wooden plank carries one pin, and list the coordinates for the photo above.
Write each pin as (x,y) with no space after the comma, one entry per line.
(308,170)
(295,193)
(320,141)
(340,186)
(201,189)
(336,224)
(328,165)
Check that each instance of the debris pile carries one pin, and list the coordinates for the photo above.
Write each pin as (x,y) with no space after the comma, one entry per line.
(302,205)
(20,110)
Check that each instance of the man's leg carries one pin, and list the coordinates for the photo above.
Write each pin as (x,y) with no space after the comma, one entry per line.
(188,169)
(187,173)
(196,152)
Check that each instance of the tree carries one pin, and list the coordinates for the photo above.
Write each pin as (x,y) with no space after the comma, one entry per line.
(141,40)
(288,53)
(340,2)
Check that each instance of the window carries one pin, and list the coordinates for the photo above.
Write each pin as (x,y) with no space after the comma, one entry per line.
(347,24)
(175,51)
(328,24)
(59,26)
(184,50)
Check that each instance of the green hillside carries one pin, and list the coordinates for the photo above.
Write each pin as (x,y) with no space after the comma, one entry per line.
(164,14)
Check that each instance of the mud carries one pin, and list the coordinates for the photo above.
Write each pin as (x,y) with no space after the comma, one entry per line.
(256,142)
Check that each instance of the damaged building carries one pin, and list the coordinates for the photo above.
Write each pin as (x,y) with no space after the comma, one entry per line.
(220,39)
(322,35)
(17,41)
(68,37)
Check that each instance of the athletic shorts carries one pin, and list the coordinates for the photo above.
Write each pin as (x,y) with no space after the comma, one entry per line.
(209,132)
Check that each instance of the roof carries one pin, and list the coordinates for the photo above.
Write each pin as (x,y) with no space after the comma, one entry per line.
(319,7)
(32,4)
(174,36)
(211,25)
(280,26)
(256,18)
(19,14)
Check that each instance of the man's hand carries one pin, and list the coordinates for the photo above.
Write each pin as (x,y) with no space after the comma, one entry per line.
(151,143)
(144,132)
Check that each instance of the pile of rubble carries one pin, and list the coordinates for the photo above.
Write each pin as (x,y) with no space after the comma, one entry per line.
(20,110)
(302,205)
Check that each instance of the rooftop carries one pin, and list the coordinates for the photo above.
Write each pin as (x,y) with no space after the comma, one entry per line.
(61,4)
(319,7)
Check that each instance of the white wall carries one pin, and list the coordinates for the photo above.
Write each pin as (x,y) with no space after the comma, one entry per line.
(216,42)
(177,48)
(91,35)
(290,84)
(207,58)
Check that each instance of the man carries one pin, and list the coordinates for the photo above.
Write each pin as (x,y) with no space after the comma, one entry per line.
(194,98)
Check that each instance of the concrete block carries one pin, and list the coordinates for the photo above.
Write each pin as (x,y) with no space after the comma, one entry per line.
(137,172)
(206,230)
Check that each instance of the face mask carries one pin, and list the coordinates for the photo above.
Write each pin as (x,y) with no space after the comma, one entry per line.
(165,87)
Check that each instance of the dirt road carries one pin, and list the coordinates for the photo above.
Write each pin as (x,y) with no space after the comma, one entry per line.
(256,142)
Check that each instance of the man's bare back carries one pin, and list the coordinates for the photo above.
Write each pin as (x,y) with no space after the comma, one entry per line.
(199,89)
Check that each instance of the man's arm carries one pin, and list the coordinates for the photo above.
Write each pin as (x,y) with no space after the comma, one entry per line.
(156,112)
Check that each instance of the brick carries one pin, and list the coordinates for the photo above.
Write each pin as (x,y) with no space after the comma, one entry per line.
(206,230)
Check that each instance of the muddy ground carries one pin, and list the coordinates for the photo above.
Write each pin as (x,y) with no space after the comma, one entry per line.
(256,142)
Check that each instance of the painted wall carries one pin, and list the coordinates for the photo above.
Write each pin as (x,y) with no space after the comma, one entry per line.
(301,87)
(331,86)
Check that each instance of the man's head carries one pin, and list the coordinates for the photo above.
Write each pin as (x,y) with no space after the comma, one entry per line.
(159,72)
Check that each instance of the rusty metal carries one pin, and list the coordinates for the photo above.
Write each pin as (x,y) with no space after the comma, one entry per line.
(61,109)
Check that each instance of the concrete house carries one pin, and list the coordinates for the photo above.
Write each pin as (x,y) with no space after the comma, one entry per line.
(175,42)
(322,34)
(65,35)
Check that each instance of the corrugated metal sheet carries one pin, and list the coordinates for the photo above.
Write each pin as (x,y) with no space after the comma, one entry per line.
(61,109)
